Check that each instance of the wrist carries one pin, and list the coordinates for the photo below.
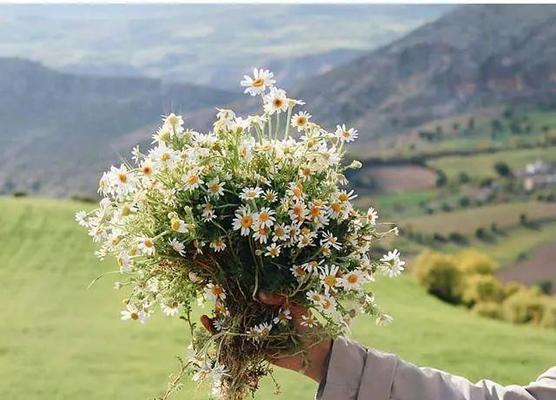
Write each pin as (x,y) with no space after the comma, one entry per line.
(319,356)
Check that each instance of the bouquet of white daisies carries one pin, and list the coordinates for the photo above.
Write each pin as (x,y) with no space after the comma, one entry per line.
(257,204)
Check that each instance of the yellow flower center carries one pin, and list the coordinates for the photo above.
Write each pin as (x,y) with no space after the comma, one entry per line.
(352,279)
(175,224)
(278,103)
(246,221)
(193,179)
(259,82)
(301,120)
(330,280)
(165,156)
(264,217)
(122,177)
(134,316)
(148,243)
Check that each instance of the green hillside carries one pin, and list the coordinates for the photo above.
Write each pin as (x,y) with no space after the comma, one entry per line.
(59,340)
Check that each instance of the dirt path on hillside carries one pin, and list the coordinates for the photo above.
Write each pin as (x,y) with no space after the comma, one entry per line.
(540,266)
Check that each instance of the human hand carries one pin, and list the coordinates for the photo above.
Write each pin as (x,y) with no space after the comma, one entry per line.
(316,352)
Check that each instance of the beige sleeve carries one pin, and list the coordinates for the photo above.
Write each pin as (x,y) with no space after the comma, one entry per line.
(355,373)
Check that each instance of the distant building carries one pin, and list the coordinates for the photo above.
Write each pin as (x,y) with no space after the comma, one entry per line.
(538,174)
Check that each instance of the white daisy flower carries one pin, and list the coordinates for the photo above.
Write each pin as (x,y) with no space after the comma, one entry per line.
(328,304)
(170,309)
(177,246)
(298,271)
(243,221)
(273,250)
(262,78)
(214,292)
(124,262)
(284,315)
(174,122)
(178,225)
(215,187)
(314,296)
(300,120)
(298,212)
(270,195)
(312,266)
(384,319)
(163,156)
(353,280)
(218,324)
(147,168)
(192,179)
(329,240)
(261,234)
(345,197)
(372,216)
(80,218)
(208,212)
(218,245)
(265,217)
(280,232)
(391,265)
(132,313)
(250,193)
(275,101)
(309,321)
(329,278)
(146,246)
(260,331)
(344,134)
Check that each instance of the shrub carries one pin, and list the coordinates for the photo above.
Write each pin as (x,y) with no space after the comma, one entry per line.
(482,288)
(502,169)
(545,286)
(439,274)
(549,316)
(524,306)
(464,201)
(488,309)
(441,178)
(511,288)
(458,238)
(463,177)
(471,261)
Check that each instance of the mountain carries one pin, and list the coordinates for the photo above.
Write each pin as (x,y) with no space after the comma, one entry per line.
(472,57)
(59,130)
(209,44)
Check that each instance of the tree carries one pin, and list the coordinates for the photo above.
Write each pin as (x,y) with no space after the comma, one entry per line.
(503,169)
(441,178)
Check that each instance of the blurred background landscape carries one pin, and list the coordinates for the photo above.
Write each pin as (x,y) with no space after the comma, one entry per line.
(456,112)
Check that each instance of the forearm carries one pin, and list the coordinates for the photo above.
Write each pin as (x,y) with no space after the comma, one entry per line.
(355,373)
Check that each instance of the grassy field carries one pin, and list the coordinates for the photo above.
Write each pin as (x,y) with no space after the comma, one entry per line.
(466,221)
(482,165)
(59,340)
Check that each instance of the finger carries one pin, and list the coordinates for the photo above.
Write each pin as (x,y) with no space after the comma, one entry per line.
(207,323)
(271,299)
